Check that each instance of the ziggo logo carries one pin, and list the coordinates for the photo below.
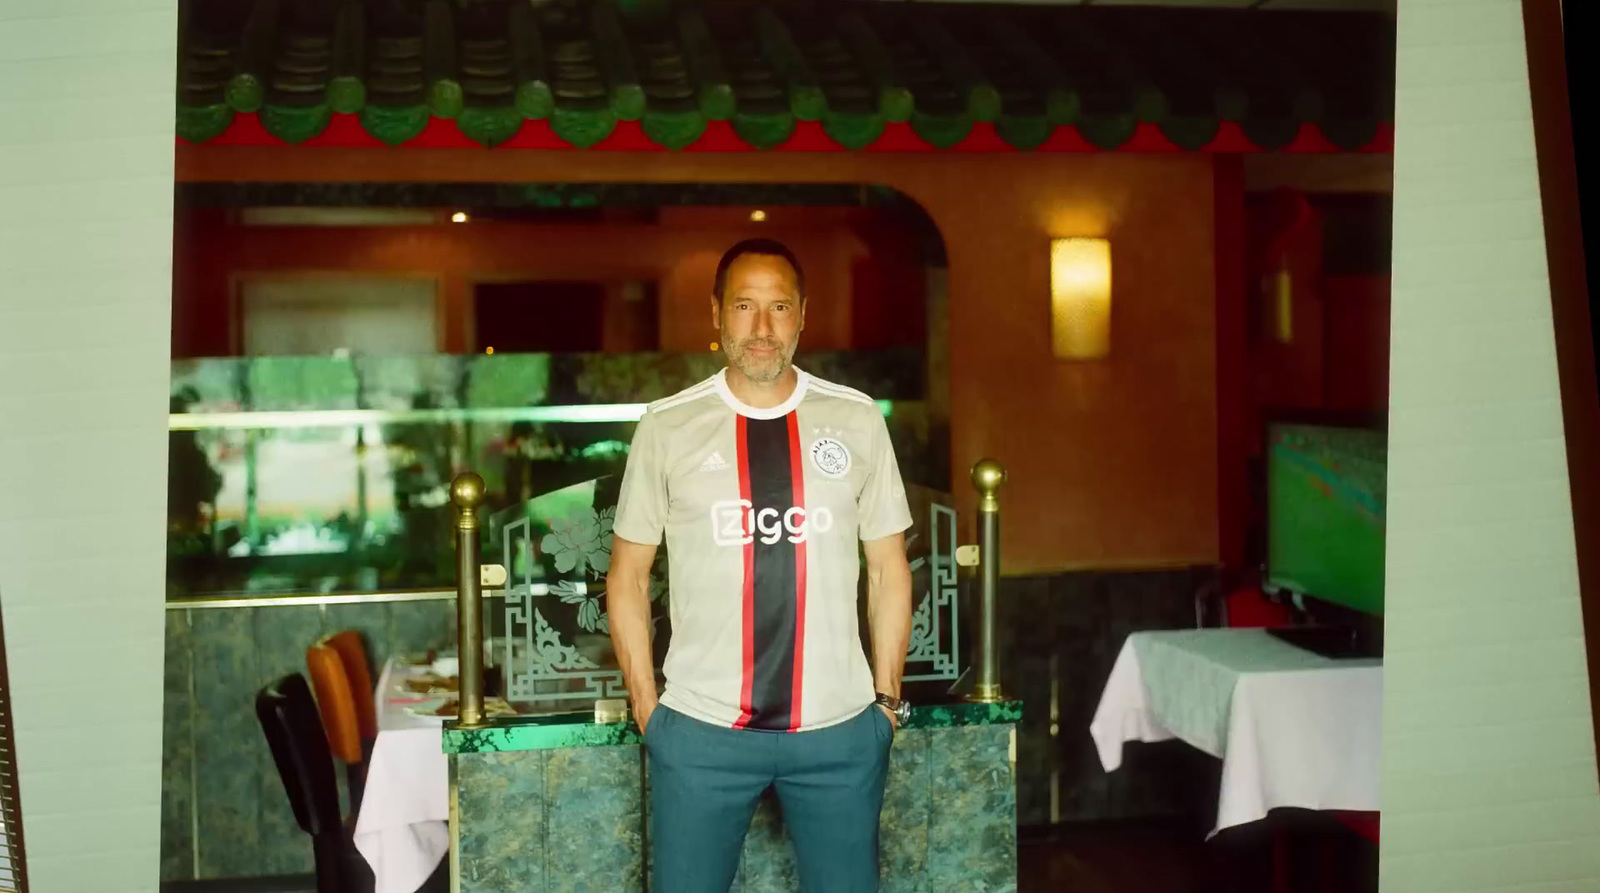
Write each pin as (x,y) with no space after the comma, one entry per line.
(735,522)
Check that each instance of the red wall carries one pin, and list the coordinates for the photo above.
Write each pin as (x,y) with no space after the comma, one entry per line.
(1355,344)
(1337,359)
(862,271)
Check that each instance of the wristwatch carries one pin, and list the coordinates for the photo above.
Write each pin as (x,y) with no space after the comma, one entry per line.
(900,709)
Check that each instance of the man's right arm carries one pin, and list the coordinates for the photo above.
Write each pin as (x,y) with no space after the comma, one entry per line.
(628,603)
(637,531)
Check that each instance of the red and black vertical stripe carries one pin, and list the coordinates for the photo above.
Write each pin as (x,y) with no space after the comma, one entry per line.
(772,482)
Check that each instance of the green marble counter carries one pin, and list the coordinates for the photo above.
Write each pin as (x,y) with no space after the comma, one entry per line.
(560,804)
(578,729)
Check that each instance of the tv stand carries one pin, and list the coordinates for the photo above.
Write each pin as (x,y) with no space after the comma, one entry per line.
(1335,642)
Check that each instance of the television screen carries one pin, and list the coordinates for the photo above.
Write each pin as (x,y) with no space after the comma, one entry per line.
(1325,513)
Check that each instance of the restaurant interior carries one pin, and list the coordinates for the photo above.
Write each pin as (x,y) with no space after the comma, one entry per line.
(1136,255)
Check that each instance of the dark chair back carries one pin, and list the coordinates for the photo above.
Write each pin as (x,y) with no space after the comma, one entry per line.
(288,716)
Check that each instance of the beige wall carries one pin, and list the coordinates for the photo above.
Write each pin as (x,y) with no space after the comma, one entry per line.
(1113,464)
(85,253)
(1489,767)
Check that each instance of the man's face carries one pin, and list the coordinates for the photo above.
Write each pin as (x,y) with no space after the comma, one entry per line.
(760,316)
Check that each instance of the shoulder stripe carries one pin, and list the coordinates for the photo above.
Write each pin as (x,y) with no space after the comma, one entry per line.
(838,390)
(689,394)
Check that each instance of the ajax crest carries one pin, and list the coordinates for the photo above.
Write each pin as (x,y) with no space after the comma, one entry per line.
(830,457)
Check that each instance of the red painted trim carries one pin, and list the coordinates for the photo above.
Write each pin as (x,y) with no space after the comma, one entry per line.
(797,477)
(442,133)
(809,136)
(536,135)
(1067,139)
(627,137)
(1382,141)
(1310,141)
(982,138)
(1230,139)
(899,137)
(244,130)
(1148,137)
(720,137)
(345,131)
(748,670)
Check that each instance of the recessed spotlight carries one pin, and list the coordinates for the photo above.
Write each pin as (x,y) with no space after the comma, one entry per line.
(758,216)
(459,217)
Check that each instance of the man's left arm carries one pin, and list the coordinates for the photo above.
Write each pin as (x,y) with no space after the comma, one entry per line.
(888,610)
(885,518)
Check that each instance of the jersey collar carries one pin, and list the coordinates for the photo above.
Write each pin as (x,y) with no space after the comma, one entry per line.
(774,412)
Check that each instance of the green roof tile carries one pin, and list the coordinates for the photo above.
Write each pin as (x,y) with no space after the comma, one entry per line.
(855,66)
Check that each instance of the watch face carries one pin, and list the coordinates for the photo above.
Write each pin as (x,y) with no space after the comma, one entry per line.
(902,711)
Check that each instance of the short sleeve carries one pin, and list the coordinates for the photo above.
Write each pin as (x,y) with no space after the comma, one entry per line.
(882,509)
(642,506)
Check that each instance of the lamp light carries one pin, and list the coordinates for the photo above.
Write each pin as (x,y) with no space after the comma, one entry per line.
(1080,298)
(1283,306)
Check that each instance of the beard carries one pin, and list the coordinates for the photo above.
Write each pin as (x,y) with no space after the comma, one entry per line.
(762,369)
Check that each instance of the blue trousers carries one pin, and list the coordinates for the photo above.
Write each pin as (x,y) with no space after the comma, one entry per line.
(705,781)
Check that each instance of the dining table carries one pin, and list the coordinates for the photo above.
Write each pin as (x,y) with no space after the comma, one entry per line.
(402,829)
(1292,728)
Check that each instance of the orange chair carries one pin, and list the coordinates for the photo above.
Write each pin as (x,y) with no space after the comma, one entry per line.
(354,656)
(336,702)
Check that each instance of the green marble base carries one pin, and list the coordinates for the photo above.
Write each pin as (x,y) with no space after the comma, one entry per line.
(577,729)
(555,805)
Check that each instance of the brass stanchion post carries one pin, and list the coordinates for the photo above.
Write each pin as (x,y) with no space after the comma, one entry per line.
(466,491)
(987,476)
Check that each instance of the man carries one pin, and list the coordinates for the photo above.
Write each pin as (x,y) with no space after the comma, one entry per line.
(762,479)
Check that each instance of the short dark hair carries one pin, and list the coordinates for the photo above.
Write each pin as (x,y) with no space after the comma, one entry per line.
(766,247)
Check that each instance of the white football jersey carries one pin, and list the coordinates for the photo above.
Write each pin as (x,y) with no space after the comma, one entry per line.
(762,511)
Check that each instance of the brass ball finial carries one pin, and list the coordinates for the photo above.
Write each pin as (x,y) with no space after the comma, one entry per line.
(987,476)
(466,491)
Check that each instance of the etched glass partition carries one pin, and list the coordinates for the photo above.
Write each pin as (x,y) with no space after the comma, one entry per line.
(935,651)
(555,647)
(556,549)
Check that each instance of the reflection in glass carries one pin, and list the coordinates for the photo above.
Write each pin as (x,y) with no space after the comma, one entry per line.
(331,474)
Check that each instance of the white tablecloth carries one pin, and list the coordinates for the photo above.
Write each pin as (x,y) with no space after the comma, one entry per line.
(403,828)
(1292,728)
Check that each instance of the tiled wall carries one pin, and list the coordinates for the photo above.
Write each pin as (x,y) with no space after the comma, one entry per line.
(223,809)
(1067,629)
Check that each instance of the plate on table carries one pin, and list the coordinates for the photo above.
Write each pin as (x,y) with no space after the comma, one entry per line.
(449,708)
(429,684)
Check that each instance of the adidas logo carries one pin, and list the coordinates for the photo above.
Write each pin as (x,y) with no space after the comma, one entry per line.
(714,462)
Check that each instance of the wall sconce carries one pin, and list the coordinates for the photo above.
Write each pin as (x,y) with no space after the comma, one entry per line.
(1282,292)
(1080,298)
